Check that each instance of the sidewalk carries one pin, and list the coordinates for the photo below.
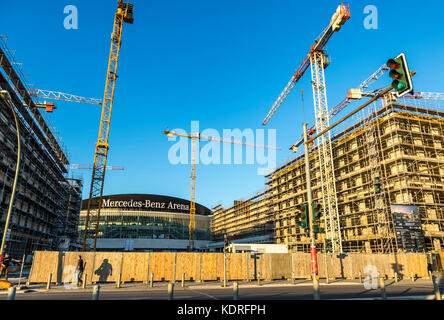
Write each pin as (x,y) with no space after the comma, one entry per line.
(138,286)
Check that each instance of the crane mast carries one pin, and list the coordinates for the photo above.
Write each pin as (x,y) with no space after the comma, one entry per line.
(318,60)
(124,14)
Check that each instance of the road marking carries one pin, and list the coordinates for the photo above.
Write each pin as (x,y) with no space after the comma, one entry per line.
(205,294)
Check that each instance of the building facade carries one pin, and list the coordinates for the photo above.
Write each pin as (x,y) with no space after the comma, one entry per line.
(41,208)
(389,178)
(146,222)
(247,220)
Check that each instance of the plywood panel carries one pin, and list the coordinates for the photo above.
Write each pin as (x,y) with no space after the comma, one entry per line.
(235,266)
(418,264)
(44,264)
(188,263)
(212,266)
(106,266)
(70,264)
(162,265)
(301,265)
(280,266)
(135,266)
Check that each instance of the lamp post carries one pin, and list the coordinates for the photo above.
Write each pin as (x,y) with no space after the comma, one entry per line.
(314,262)
(6,97)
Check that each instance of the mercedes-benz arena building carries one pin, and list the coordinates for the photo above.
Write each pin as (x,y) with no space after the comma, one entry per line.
(147,222)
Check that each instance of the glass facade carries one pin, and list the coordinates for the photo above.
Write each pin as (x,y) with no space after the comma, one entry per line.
(120,223)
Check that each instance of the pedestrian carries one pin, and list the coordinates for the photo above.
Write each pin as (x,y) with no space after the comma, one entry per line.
(5,265)
(80,268)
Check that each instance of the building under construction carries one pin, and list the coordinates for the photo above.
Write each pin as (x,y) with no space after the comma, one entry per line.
(47,203)
(389,178)
(250,220)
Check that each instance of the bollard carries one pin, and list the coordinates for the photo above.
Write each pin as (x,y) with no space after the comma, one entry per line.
(96,292)
(292,278)
(413,278)
(258,279)
(235,291)
(48,285)
(183,279)
(430,274)
(84,281)
(436,288)
(118,281)
(316,294)
(170,291)
(396,277)
(360,277)
(11,293)
(382,285)
(151,280)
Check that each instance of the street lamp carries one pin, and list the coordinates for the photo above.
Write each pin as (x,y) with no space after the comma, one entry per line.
(314,262)
(7,98)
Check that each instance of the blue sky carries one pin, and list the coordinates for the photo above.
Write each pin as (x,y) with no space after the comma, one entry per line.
(222,63)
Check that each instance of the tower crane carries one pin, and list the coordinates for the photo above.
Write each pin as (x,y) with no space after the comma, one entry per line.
(318,61)
(123,14)
(56,95)
(90,167)
(194,137)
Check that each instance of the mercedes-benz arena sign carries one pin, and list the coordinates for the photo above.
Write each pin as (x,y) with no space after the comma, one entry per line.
(146,222)
(147,202)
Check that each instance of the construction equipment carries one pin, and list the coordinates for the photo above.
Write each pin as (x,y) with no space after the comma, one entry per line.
(194,137)
(318,61)
(90,167)
(55,95)
(124,14)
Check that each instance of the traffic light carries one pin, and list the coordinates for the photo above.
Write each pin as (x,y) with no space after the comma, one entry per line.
(377,185)
(328,246)
(226,244)
(399,71)
(303,208)
(317,217)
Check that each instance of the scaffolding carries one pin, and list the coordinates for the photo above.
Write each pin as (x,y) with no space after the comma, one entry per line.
(387,157)
(40,203)
(246,219)
(391,153)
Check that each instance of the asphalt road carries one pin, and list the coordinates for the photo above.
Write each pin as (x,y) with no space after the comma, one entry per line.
(276,290)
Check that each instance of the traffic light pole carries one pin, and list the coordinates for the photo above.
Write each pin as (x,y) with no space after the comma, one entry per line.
(314,260)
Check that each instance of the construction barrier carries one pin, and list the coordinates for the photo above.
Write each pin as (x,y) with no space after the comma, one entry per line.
(169,266)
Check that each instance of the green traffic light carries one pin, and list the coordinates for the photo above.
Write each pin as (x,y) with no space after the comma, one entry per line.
(398,85)
(400,73)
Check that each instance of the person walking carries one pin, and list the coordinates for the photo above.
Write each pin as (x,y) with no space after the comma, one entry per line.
(5,265)
(80,268)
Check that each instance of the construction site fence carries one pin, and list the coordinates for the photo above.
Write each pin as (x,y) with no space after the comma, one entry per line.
(60,267)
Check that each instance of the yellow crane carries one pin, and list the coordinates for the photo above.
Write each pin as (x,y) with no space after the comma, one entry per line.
(124,14)
(194,137)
